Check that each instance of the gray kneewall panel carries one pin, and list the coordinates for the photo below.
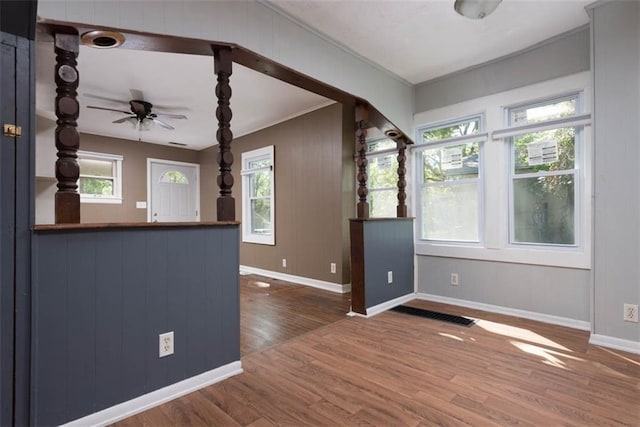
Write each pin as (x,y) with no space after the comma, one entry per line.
(388,246)
(102,297)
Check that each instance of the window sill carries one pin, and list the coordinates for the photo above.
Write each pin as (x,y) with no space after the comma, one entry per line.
(259,240)
(553,257)
(100,200)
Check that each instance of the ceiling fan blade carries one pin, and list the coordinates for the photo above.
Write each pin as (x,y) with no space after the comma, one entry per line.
(104,98)
(124,119)
(136,94)
(108,109)
(171,116)
(163,124)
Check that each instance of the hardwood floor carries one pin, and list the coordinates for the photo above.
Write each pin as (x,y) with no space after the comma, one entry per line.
(401,370)
(274,311)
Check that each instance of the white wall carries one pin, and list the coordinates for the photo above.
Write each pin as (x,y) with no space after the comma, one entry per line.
(256,27)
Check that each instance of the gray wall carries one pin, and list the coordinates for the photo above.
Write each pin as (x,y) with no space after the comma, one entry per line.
(616,55)
(258,27)
(554,291)
(101,297)
(561,56)
(388,246)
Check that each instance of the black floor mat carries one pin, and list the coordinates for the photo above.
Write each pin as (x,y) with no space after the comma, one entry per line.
(443,317)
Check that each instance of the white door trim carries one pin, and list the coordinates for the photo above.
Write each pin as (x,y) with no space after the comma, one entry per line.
(170,162)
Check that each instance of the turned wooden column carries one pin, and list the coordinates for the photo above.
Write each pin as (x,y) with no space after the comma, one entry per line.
(361,162)
(401,209)
(67,198)
(223,69)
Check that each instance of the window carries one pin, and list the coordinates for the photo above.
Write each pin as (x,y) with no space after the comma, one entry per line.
(100,177)
(258,207)
(530,195)
(448,174)
(382,169)
(544,173)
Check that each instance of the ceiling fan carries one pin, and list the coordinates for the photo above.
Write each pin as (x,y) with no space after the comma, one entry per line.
(140,114)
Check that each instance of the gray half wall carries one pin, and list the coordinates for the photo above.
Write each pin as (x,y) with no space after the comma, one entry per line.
(388,246)
(101,297)
(554,291)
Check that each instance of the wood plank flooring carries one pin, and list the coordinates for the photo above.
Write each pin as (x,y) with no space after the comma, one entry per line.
(401,370)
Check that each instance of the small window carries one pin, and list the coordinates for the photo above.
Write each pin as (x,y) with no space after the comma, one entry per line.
(382,170)
(100,177)
(448,170)
(174,177)
(258,201)
(544,174)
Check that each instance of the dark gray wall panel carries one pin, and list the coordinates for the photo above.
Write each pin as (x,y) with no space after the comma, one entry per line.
(49,335)
(80,323)
(101,299)
(7,230)
(388,246)
(134,294)
(108,319)
(561,56)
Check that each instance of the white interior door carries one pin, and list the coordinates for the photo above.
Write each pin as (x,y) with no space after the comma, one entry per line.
(174,191)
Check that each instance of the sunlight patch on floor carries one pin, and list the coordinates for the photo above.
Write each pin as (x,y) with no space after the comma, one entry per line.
(519,333)
(551,357)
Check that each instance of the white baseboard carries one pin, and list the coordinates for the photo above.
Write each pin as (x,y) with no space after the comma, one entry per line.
(615,343)
(314,283)
(540,317)
(387,305)
(158,397)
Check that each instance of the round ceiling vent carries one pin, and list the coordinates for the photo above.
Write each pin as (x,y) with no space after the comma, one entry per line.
(102,39)
(393,133)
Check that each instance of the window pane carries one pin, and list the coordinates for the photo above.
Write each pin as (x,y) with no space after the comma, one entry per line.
(550,150)
(382,144)
(260,184)
(450,212)
(174,177)
(382,203)
(259,163)
(96,167)
(541,113)
(451,163)
(383,171)
(261,216)
(466,127)
(544,210)
(96,186)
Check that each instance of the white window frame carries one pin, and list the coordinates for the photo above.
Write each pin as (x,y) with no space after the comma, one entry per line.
(576,171)
(247,157)
(496,169)
(374,155)
(479,137)
(117,178)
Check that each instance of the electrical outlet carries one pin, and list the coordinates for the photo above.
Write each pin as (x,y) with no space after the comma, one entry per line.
(333,267)
(166,344)
(389,277)
(454,279)
(284,262)
(631,313)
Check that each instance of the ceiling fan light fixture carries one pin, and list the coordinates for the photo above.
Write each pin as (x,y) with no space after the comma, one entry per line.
(476,9)
(100,39)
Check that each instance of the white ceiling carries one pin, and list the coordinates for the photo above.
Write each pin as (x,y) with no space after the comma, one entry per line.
(417,40)
(180,84)
(423,39)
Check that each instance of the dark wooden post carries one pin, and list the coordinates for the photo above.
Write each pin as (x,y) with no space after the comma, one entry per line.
(223,69)
(361,148)
(67,198)
(401,209)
